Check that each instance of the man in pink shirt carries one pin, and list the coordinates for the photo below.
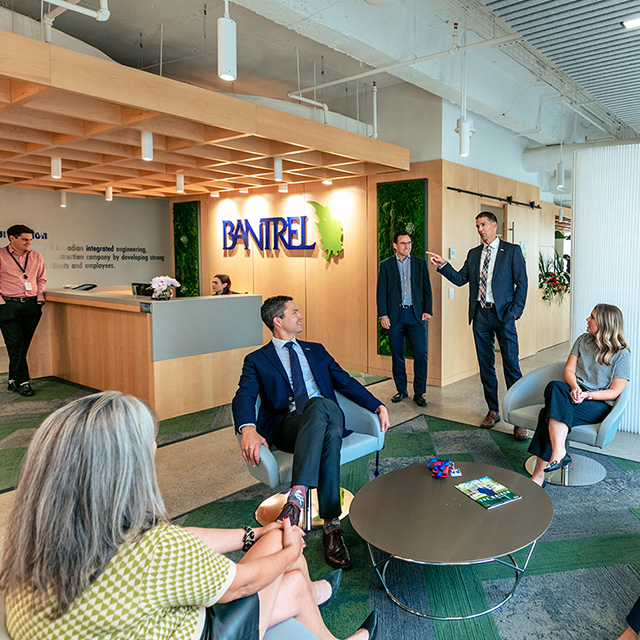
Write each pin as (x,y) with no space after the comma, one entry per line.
(22,280)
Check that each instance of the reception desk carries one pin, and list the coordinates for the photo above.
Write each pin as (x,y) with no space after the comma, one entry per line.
(181,355)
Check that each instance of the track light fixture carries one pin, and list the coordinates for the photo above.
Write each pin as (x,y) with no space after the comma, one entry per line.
(108,194)
(283,188)
(277,169)
(227,46)
(146,142)
(560,214)
(180,182)
(56,167)
(63,199)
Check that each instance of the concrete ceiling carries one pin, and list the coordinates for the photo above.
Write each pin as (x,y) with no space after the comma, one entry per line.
(566,51)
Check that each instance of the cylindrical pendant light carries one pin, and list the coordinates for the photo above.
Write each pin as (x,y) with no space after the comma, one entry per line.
(283,188)
(146,142)
(56,167)
(214,194)
(180,182)
(560,175)
(560,214)
(108,194)
(464,127)
(226,46)
(245,190)
(277,169)
(328,182)
(63,199)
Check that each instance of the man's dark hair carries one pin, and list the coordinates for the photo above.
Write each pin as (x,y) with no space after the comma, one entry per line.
(273,308)
(488,215)
(18,229)
(397,234)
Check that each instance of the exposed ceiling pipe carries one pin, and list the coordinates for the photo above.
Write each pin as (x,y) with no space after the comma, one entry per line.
(546,158)
(101,15)
(432,56)
(315,103)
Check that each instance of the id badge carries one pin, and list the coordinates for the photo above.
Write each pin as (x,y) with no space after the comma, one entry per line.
(27,286)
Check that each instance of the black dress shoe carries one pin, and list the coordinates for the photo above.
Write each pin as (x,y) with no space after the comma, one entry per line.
(401,395)
(334,580)
(12,386)
(371,624)
(292,511)
(26,390)
(335,550)
(552,466)
(418,398)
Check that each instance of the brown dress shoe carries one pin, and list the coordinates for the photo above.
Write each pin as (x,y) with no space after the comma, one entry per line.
(520,433)
(335,549)
(490,420)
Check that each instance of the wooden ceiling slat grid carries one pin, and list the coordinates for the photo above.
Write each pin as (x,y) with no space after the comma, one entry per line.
(91,112)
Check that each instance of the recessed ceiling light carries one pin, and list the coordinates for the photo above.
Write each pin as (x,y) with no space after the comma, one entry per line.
(634,23)
(327,182)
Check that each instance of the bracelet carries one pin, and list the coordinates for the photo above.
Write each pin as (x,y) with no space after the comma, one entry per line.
(248,539)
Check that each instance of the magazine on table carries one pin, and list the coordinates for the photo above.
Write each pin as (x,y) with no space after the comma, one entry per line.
(487,492)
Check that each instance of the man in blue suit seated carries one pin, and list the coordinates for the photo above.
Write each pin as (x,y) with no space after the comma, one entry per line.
(299,414)
(497,277)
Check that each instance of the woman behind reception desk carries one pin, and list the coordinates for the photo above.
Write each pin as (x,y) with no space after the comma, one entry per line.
(221,285)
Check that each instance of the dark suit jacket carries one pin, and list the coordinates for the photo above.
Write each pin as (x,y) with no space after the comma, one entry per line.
(389,293)
(508,284)
(263,374)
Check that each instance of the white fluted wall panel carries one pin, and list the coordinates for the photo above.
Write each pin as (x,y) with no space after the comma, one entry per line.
(605,246)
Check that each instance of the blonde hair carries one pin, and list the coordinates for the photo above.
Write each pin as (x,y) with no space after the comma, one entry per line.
(88,484)
(609,338)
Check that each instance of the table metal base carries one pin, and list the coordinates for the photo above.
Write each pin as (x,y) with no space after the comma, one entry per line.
(381,570)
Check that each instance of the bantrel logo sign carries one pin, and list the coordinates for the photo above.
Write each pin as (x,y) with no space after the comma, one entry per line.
(287,233)
(37,235)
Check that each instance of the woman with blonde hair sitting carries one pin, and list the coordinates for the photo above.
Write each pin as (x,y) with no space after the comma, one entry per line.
(91,553)
(596,372)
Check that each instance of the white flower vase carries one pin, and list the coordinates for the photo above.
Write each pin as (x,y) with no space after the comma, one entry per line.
(167,294)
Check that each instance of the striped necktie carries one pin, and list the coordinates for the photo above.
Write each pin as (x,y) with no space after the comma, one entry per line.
(484,276)
(297,379)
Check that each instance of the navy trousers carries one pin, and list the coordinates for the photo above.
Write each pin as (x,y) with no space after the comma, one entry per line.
(486,328)
(558,405)
(410,327)
(18,322)
(315,439)
(633,619)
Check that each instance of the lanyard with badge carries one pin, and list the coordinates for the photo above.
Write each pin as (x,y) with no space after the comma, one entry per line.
(27,285)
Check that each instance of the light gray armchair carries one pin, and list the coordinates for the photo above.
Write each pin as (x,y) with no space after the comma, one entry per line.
(275,465)
(522,404)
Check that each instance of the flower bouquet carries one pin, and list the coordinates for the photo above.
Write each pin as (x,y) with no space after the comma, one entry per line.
(164,287)
(553,279)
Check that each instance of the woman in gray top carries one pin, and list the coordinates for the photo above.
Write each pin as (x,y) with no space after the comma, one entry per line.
(597,370)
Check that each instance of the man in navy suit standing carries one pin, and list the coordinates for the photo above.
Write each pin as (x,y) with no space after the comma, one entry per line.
(299,413)
(497,277)
(404,306)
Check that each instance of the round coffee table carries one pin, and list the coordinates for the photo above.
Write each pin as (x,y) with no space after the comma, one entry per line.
(413,517)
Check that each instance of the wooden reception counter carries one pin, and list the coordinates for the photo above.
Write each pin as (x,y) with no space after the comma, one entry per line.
(181,355)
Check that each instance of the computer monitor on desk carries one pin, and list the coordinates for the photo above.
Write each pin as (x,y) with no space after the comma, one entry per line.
(141,289)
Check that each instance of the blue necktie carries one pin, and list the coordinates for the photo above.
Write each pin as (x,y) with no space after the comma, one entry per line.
(297,379)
